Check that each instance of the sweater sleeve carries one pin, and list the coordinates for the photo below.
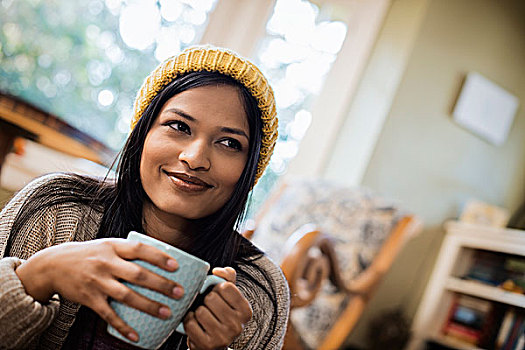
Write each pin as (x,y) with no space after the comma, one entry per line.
(265,287)
(22,318)
(13,207)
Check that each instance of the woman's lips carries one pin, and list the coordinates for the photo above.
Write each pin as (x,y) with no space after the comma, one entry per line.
(187,182)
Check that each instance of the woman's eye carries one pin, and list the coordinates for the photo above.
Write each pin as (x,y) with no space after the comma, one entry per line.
(179,126)
(232,143)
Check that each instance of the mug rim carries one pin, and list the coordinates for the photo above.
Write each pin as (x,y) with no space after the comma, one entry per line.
(168,247)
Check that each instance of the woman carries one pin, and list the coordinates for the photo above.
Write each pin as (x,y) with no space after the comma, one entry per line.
(203,130)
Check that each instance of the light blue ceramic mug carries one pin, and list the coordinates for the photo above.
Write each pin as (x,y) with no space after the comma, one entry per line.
(192,274)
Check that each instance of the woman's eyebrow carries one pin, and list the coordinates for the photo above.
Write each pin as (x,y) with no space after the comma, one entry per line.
(234,131)
(181,114)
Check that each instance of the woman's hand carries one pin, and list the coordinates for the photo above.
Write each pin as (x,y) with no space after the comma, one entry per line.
(221,318)
(89,272)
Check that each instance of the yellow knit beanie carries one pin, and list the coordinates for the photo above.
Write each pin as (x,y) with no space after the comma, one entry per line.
(215,59)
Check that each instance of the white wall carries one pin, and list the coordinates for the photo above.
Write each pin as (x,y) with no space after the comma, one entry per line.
(426,160)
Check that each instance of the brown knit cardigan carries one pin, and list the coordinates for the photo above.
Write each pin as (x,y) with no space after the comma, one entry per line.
(28,324)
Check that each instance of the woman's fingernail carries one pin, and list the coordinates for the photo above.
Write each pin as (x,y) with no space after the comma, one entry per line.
(133,336)
(164,312)
(178,292)
(172,264)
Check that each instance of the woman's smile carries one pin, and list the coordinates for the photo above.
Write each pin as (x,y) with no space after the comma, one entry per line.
(187,183)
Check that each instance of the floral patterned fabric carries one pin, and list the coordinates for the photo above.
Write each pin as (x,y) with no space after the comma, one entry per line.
(357,220)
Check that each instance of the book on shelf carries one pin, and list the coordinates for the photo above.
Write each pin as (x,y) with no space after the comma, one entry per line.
(498,269)
(520,344)
(505,328)
(469,319)
(466,334)
(485,324)
(511,335)
(494,320)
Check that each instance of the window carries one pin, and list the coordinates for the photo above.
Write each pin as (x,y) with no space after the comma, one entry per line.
(299,47)
(85,60)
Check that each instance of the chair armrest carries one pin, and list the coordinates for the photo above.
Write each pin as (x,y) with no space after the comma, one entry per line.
(305,264)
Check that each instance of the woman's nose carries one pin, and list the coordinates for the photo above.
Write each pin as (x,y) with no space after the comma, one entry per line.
(195,155)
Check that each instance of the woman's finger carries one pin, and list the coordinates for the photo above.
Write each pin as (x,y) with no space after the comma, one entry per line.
(233,318)
(138,275)
(105,311)
(194,330)
(128,296)
(212,326)
(234,298)
(219,307)
(131,250)
(228,273)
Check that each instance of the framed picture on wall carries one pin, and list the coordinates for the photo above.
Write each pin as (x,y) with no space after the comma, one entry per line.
(485,108)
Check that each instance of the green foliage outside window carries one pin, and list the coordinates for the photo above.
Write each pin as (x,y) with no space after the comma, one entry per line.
(69,58)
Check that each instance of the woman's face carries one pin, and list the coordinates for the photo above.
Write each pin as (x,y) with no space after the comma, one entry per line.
(196,151)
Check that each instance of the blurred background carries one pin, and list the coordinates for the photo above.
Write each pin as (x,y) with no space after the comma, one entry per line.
(365,93)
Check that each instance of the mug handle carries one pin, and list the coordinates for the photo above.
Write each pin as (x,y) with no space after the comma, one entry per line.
(210,280)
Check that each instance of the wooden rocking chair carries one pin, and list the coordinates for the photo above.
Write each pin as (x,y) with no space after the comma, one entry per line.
(309,258)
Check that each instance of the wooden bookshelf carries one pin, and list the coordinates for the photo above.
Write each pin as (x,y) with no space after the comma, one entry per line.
(460,246)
